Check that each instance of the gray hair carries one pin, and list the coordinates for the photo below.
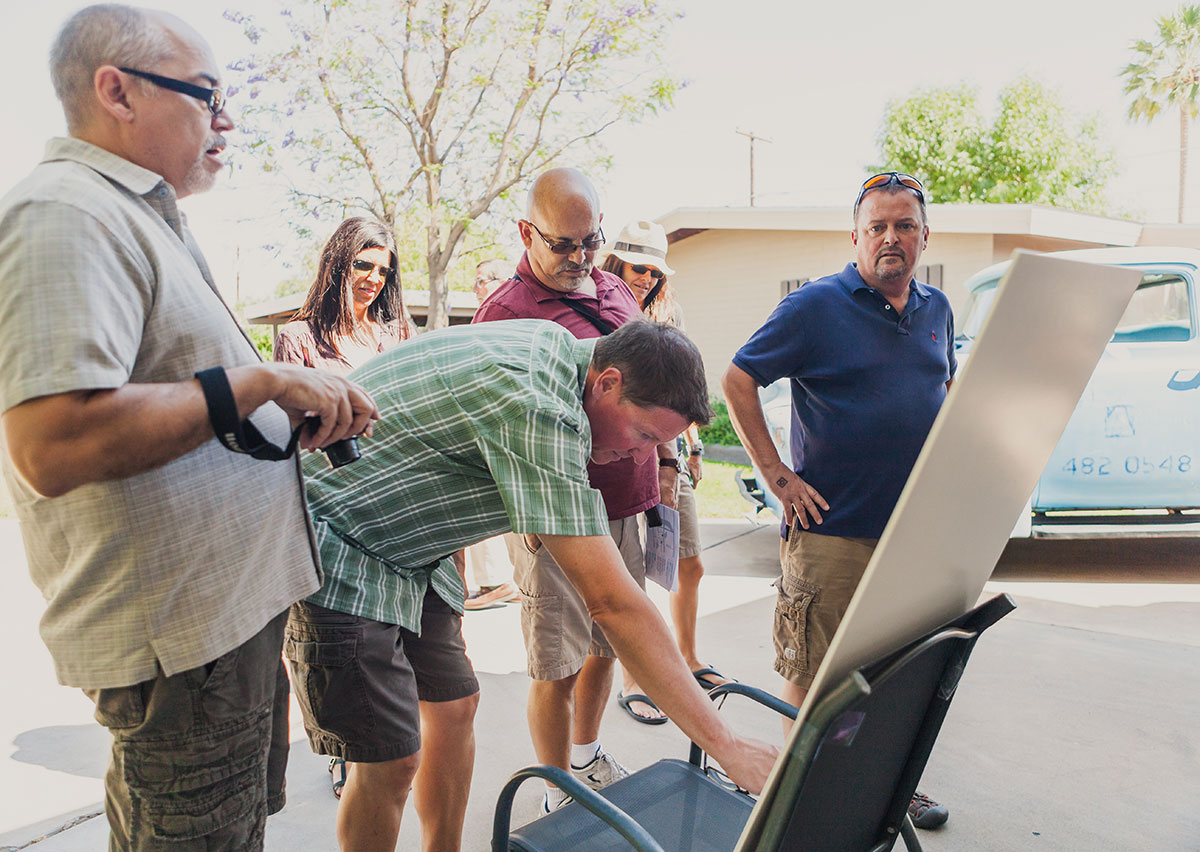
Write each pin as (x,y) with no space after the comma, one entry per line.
(104,34)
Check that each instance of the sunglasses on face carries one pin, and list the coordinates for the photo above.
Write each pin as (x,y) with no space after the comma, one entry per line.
(887,179)
(589,244)
(366,268)
(214,98)
(638,269)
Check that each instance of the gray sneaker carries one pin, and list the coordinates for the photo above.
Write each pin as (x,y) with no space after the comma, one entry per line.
(602,771)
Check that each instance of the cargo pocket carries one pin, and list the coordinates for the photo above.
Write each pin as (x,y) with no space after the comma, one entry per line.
(329,682)
(204,791)
(791,623)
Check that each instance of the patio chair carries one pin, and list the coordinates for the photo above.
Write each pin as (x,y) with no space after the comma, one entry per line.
(843,782)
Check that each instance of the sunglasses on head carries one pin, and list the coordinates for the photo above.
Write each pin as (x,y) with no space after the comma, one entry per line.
(638,269)
(366,267)
(589,244)
(887,179)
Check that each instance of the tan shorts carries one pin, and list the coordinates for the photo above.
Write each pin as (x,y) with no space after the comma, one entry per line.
(559,632)
(689,522)
(820,574)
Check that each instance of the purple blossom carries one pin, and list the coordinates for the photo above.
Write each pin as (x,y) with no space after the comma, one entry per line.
(288,139)
(257,78)
(237,65)
(233,16)
(602,42)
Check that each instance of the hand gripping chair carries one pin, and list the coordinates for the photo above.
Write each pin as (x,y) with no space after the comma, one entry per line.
(843,783)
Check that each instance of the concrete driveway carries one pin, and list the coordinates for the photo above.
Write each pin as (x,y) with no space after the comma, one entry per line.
(1074,728)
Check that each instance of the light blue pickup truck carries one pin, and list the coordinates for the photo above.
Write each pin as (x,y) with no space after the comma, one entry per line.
(1130,454)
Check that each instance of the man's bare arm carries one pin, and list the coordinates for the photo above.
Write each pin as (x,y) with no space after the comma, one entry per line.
(646,648)
(800,500)
(62,441)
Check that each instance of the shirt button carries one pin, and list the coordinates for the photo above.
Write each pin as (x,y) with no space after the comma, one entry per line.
(887,307)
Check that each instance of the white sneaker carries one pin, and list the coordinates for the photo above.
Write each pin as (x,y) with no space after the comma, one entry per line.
(560,799)
(602,771)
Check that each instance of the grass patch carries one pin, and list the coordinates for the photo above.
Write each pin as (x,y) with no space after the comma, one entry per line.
(717,495)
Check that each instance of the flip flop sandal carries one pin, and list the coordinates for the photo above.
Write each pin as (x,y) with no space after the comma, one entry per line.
(337,771)
(705,684)
(624,701)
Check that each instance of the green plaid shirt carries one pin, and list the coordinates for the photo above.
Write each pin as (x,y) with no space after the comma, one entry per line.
(483,431)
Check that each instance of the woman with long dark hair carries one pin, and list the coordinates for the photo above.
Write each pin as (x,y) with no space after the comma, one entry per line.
(354,309)
(639,258)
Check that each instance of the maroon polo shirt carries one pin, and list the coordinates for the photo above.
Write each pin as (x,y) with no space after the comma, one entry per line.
(627,488)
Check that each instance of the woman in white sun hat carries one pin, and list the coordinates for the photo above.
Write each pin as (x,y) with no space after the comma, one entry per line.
(638,257)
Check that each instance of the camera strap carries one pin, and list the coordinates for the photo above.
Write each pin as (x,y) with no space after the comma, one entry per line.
(239,436)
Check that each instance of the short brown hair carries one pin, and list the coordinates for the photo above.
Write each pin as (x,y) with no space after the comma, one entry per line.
(659,366)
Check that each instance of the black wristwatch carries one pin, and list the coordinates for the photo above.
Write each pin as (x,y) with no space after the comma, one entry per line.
(671,462)
(697,449)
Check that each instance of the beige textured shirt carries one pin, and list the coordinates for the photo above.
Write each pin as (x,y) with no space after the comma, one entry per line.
(102,284)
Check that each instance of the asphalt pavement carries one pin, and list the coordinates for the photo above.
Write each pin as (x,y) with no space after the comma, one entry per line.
(1074,727)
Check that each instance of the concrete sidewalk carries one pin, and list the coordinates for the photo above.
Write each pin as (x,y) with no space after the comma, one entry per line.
(1074,727)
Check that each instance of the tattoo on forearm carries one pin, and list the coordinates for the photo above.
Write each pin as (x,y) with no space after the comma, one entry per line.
(781,482)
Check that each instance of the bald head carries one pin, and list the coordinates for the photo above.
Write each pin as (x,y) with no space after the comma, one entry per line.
(560,189)
(563,209)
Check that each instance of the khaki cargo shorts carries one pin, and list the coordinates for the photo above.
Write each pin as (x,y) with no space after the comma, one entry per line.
(559,632)
(689,521)
(820,574)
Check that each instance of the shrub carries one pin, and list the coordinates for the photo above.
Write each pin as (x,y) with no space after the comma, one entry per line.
(720,430)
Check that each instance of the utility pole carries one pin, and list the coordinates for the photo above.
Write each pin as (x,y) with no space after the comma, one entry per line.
(752,137)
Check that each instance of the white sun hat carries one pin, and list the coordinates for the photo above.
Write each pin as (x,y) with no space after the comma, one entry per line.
(643,243)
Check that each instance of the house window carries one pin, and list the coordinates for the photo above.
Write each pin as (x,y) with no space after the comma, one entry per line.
(931,274)
(791,284)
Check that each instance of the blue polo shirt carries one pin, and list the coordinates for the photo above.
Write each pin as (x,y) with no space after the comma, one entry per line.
(866,387)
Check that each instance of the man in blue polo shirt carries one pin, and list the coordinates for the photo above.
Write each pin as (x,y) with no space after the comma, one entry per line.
(870,355)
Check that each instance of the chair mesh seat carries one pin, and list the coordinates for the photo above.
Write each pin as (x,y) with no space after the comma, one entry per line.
(673,800)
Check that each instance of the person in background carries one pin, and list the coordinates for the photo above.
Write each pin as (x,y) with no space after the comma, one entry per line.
(570,659)
(639,258)
(490,562)
(354,309)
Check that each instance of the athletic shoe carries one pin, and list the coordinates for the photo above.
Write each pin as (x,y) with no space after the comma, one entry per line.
(602,771)
(547,807)
(925,812)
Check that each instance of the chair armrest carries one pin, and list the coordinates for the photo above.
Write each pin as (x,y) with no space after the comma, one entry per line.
(696,755)
(602,808)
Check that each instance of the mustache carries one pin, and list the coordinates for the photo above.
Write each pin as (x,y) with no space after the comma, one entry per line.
(882,253)
(216,143)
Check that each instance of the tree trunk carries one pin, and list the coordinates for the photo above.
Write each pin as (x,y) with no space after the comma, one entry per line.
(439,311)
(1185,120)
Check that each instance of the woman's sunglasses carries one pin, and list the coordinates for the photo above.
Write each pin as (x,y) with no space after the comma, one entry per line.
(366,267)
(638,269)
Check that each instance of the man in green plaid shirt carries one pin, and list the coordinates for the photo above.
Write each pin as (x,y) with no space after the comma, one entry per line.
(484,429)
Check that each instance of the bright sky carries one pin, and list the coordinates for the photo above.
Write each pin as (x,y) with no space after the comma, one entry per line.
(811,77)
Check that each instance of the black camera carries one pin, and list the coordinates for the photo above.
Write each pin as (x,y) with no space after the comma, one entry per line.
(339,452)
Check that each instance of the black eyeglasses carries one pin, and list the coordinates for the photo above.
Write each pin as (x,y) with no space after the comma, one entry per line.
(214,98)
(366,267)
(887,179)
(638,269)
(589,244)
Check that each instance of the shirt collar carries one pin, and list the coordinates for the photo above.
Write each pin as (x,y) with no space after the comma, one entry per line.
(852,282)
(133,177)
(541,293)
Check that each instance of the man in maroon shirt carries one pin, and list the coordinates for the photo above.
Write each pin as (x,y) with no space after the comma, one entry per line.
(570,661)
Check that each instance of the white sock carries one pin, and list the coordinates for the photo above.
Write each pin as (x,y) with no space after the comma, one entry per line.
(554,796)
(582,755)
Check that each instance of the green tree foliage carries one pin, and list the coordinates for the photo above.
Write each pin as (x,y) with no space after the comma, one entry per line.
(1033,151)
(720,430)
(1166,74)
(425,113)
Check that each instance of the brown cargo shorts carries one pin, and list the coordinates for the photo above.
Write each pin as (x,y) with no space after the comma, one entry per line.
(820,574)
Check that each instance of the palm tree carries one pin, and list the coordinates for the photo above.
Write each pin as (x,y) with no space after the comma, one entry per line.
(1167,74)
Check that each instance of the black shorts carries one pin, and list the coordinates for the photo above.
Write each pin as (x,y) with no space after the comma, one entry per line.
(358,681)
